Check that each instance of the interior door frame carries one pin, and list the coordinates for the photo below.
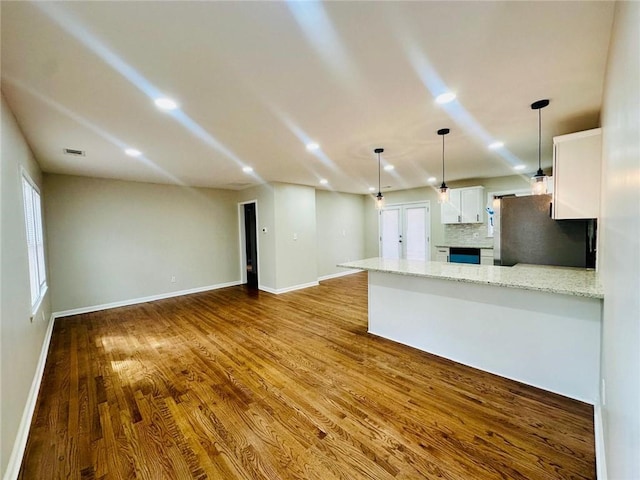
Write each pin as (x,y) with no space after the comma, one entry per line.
(403,229)
(243,239)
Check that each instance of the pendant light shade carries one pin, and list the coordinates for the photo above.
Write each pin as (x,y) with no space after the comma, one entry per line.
(379,196)
(539,180)
(443,194)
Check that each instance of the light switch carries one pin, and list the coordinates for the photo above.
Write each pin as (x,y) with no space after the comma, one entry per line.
(295,236)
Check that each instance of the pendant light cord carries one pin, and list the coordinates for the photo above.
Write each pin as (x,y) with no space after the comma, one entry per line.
(379,189)
(442,158)
(539,139)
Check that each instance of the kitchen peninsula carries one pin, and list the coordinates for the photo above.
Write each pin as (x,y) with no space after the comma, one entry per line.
(535,324)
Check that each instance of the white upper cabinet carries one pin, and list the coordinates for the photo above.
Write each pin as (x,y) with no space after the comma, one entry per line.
(464,206)
(450,211)
(576,173)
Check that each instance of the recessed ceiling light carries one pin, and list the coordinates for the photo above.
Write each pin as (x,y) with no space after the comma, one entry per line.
(388,168)
(519,167)
(431,179)
(247,169)
(372,189)
(165,103)
(132,152)
(312,146)
(324,181)
(496,145)
(445,97)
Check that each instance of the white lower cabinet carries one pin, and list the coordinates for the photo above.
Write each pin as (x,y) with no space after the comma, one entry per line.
(486,256)
(442,254)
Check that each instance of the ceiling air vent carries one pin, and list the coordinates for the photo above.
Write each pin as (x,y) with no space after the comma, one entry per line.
(74,151)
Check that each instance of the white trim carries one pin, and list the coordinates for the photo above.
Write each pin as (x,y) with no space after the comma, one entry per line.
(519,192)
(20,443)
(401,207)
(601,461)
(572,136)
(151,298)
(402,204)
(38,303)
(339,274)
(278,291)
(267,289)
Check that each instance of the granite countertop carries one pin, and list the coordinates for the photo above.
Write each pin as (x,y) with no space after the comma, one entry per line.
(567,281)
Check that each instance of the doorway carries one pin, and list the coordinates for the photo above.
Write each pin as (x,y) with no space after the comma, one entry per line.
(249,244)
(405,231)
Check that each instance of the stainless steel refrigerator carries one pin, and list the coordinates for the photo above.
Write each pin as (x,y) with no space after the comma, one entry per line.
(526,233)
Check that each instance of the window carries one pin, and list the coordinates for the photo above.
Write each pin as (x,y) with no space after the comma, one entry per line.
(35,240)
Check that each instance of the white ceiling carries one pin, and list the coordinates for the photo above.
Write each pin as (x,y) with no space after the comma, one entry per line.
(256,80)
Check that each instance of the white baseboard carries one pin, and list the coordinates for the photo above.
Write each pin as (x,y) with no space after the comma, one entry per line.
(151,298)
(601,462)
(267,289)
(15,460)
(339,274)
(278,291)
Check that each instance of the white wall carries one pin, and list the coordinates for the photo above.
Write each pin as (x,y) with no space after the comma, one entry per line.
(295,229)
(339,230)
(21,340)
(620,255)
(114,241)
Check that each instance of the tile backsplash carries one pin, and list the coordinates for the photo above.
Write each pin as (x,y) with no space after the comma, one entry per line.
(463,234)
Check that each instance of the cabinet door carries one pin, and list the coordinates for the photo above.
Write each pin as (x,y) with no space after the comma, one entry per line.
(486,256)
(576,172)
(450,212)
(471,205)
(442,254)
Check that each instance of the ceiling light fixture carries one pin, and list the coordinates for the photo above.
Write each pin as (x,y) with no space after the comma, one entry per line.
(132,152)
(372,189)
(445,98)
(247,169)
(496,145)
(379,196)
(324,181)
(539,180)
(165,103)
(431,179)
(312,146)
(519,167)
(443,196)
(388,168)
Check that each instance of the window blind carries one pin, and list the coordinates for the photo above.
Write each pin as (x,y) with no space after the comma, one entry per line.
(35,240)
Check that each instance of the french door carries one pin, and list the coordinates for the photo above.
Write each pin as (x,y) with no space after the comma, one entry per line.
(405,231)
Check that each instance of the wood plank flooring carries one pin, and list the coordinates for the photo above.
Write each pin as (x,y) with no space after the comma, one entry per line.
(230,384)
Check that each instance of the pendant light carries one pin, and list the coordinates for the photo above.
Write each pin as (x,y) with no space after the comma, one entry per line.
(443,196)
(379,197)
(539,180)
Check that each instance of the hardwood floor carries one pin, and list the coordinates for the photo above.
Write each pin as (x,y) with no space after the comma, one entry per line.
(232,385)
